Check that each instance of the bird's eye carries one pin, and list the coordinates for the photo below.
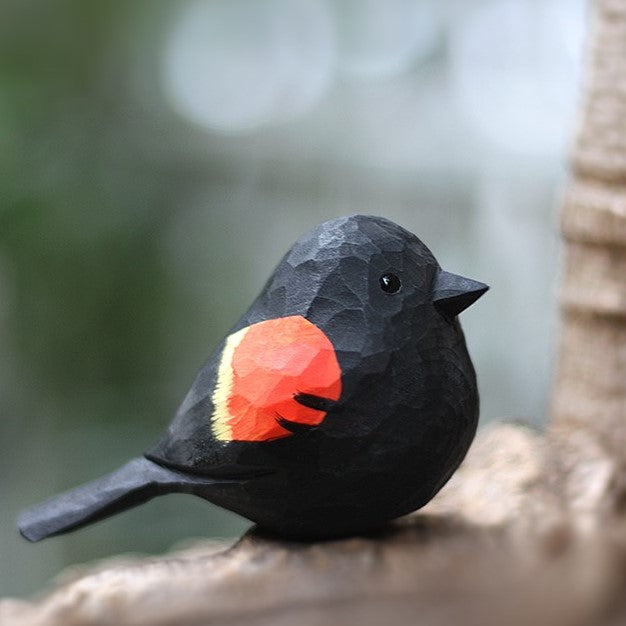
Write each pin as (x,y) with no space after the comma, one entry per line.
(390,283)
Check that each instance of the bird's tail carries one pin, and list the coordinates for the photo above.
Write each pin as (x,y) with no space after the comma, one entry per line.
(137,481)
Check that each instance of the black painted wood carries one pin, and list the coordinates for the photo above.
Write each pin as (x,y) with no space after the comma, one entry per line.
(407,414)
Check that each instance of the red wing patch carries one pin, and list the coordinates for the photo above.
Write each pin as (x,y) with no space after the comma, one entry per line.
(262,367)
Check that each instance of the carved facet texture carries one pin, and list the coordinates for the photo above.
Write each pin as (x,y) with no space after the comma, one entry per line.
(259,377)
(344,397)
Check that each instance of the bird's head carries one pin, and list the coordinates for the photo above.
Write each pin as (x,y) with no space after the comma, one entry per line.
(368,283)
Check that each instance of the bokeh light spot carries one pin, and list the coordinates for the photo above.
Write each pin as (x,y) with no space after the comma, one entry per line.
(515,70)
(238,65)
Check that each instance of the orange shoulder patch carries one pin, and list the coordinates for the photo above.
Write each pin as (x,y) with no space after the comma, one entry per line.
(262,367)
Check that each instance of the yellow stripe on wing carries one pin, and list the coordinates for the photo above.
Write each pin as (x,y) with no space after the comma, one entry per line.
(222,430)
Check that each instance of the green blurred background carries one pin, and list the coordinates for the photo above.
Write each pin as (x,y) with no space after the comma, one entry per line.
(156,160)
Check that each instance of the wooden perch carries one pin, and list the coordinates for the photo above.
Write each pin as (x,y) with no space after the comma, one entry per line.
(497,547)
(530,530)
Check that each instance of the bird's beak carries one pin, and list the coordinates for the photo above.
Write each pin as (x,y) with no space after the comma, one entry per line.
(453,294)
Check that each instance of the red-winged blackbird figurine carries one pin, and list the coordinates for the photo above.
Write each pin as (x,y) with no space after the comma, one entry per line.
(343,398)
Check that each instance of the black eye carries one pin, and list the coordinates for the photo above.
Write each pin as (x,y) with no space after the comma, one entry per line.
(390,283)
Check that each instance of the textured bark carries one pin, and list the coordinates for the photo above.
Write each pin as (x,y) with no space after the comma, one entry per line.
(589,402)
(590,391)
(497,547)
(532,529)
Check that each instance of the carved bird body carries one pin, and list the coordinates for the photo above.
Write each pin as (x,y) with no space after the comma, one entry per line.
(343,398)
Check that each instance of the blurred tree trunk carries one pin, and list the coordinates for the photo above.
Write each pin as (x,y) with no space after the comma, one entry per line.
(531,529)
(590,392)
